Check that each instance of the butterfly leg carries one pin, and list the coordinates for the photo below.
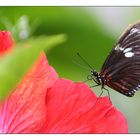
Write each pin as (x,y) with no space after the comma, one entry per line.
(90,77)
(100,94)
(108,94)
(98,98)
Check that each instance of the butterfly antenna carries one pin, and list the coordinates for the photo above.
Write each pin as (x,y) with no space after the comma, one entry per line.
(84,61)
(80,65)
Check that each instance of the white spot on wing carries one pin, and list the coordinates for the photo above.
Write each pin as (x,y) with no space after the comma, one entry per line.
(129,54)
(127,50)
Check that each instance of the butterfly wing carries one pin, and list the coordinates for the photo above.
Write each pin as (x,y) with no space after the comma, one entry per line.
(122,67)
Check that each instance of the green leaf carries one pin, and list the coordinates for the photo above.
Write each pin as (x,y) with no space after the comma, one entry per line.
(14,65)
(42,40)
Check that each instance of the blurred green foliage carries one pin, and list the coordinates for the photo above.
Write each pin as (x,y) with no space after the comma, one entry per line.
(85,34)
(14,65)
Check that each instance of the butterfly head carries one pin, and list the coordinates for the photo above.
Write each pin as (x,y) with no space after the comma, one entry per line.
(94,75)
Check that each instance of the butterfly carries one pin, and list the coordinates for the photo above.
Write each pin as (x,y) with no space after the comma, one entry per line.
(121,69)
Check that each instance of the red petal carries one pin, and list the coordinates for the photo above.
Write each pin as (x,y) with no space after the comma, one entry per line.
(25,111)
(6,42)
(71,108)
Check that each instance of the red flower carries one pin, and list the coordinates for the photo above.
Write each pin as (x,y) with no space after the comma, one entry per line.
(71,108)
(44,103)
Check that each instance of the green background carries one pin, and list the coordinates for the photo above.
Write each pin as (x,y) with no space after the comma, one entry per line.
(91,31)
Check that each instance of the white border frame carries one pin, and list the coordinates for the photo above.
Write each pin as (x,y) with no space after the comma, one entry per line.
(70,3)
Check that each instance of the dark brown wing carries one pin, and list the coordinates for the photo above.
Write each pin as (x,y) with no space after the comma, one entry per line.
(122,67)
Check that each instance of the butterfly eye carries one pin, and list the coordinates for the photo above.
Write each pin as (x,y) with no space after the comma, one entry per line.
(93,72)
